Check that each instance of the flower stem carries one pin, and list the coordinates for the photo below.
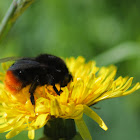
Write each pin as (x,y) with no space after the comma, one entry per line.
(60,128)
(16,8)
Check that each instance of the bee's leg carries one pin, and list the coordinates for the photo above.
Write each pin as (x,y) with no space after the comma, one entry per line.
(56,90)
(32,98)
(32,89)
(51,81)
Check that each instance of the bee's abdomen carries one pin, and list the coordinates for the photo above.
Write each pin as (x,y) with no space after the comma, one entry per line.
(12,83)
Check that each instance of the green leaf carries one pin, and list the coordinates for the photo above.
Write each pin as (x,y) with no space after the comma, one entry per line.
(124,51)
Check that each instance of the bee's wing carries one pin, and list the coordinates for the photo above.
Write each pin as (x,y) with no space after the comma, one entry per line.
(2,60)
(25,64)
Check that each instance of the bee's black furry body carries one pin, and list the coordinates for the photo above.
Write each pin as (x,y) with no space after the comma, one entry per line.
(41,70)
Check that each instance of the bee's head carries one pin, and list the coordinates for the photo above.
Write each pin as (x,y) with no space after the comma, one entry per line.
(66,80)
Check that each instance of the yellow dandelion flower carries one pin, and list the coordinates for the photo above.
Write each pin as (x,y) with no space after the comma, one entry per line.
(90,85)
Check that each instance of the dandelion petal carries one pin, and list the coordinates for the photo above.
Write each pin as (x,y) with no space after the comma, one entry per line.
(40,121)
(31,134)
(84,132)
(15,131)
(89,112)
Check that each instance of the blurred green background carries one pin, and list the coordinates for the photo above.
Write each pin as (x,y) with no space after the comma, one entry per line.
(107,31)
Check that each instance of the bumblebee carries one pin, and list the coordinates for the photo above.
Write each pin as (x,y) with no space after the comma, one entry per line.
(44,69)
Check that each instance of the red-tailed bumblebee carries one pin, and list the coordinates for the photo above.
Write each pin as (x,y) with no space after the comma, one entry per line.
(43,69)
